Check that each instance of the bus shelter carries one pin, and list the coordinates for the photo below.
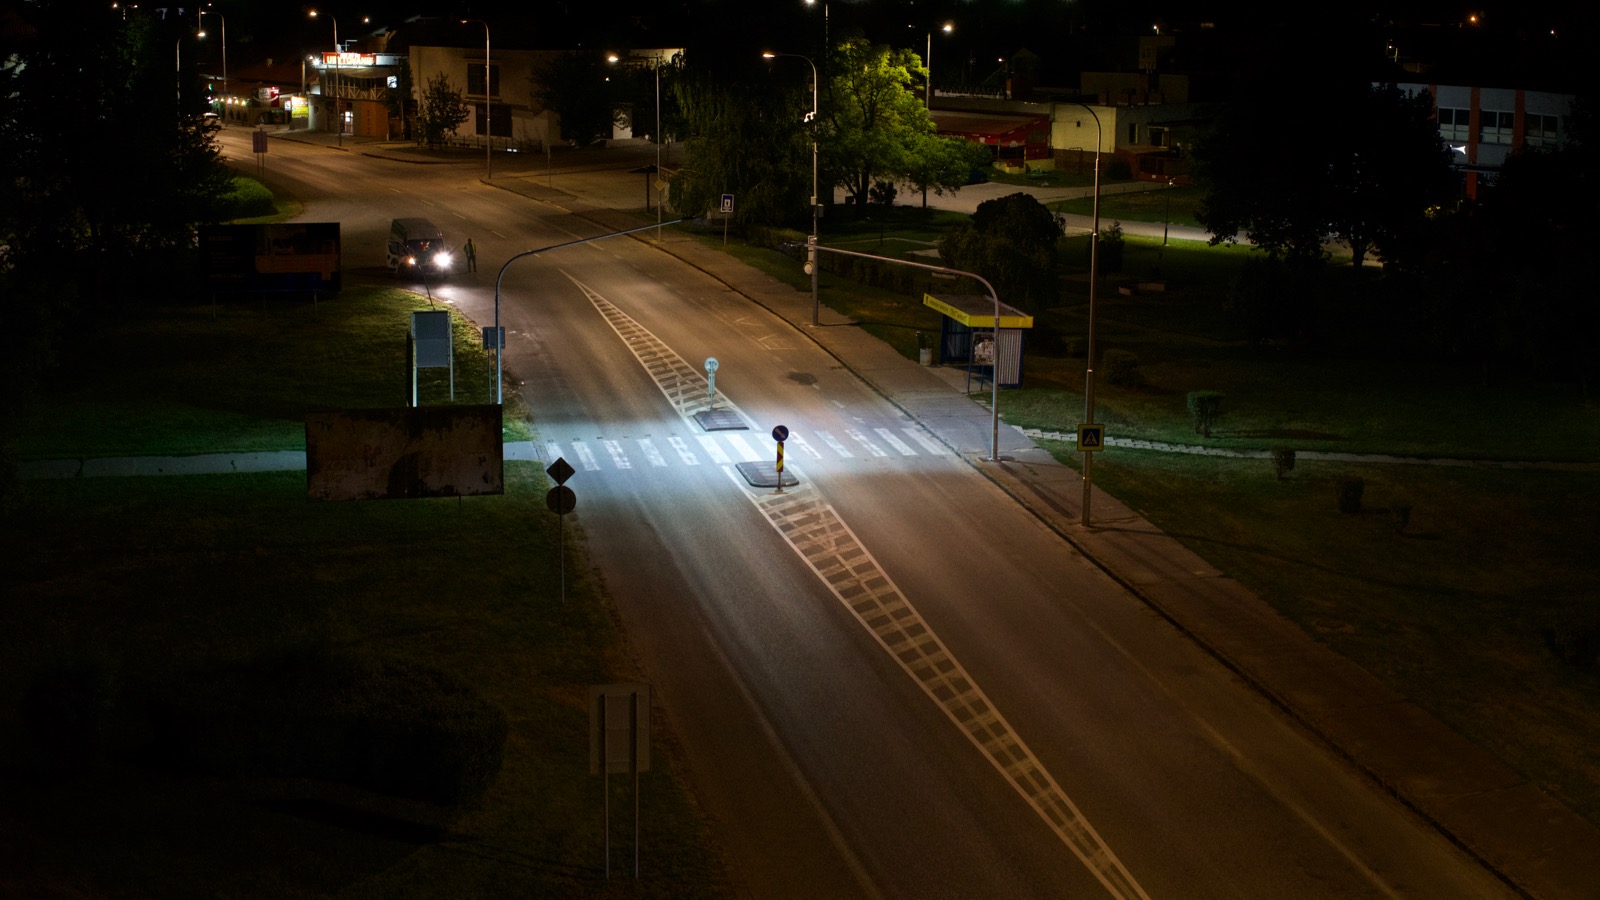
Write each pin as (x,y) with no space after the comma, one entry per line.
(969,333)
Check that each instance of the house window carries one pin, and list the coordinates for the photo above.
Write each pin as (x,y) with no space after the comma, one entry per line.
(1133,132)
(1455,124)
(1158,136)
(475,79)
(1541,130)
(1496,127)
(501,116)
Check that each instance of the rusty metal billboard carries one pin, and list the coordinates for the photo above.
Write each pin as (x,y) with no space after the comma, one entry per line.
(406,453)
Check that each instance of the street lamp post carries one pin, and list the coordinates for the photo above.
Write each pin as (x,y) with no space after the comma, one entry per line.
(338,52)
(199,17)
(613,59)
(812,259)
(1094,280)
(488,117)
(927,100)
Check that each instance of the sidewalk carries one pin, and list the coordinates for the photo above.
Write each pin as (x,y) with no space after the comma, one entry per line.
(1539,848)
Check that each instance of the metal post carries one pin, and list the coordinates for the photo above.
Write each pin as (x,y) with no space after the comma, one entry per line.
(994,382)
(499,396)
(812,120)
(488,103)
(1094,280)
(658,172)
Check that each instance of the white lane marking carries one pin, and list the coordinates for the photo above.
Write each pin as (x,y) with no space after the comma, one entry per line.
(896,443)
(554,449)
(835,554)
(684,453)
(618,457)
(585,456)
(928,443)
(713,450)
(648,448)
(744,449)
(861,439)
(833,443)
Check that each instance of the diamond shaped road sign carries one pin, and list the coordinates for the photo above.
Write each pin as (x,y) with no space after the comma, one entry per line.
(559,471)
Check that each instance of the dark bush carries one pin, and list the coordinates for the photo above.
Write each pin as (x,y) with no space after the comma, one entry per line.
(1348,491)
(1122,368)
(1118,170)
(247,200)
(1111,245)
(1283,461)
(1205,408)
(387,726)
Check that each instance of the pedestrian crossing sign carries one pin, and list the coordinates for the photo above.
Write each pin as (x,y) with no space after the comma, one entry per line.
(1091,438)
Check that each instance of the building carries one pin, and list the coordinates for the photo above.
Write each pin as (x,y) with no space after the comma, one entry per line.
(1484,126)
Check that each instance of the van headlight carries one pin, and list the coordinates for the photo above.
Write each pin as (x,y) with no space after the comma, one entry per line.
(442,260)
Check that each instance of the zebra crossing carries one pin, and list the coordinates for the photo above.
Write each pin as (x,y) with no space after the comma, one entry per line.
(729,448)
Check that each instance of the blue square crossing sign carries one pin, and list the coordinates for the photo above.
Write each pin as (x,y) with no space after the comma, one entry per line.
(1091,438)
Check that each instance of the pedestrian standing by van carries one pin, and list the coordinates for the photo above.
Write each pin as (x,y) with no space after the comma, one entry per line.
(472,256)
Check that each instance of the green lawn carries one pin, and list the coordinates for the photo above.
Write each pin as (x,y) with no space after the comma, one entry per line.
(160,580)
(1159,204)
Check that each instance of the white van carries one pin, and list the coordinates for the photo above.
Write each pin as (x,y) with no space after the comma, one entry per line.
(416,246)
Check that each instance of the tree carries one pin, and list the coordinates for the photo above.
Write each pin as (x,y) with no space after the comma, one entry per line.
(442,110)
(83,235)
(943,163)
(1012,243)
(873,119)
(575,86)
(745,138)
(1275,170)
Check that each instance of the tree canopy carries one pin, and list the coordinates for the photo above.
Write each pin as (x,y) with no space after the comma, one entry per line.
(1293,164)
(1012,243)
(108,167)
(441,111)
(750,132)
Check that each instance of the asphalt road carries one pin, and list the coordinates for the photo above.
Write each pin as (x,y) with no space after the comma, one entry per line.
(890,681)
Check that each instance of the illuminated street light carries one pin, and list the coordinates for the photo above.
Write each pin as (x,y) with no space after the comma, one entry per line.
(488,117)
(613,58)
(199,18)
(927,99)
(338,53)
(1094,278)
(813,262)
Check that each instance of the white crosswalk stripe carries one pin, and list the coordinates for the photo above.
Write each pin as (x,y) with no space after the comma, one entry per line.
(648,448)
(896,443)
(804,446)
(684,453)
(725,448)
(861,439)
(714,450)
(833,444)
(743,448)
(928,443)
(585,457)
